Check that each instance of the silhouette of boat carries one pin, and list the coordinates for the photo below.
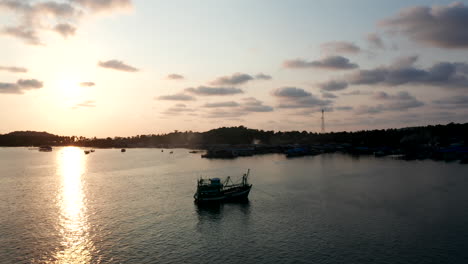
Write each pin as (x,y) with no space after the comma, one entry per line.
(92,150)
(213,190)
(45,148)
(86,152)
(123,150)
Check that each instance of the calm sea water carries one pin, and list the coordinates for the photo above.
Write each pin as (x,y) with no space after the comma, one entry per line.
(137,207)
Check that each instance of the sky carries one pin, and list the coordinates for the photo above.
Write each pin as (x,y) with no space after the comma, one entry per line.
(129,67)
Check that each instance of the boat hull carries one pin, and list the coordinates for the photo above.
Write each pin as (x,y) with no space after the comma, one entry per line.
(234,196)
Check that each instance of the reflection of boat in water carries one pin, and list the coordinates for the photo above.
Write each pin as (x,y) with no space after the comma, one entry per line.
(45,148)
(212,190)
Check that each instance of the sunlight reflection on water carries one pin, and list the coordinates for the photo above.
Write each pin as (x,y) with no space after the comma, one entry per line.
(75,246)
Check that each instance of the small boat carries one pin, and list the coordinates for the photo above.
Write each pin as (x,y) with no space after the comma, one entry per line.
(171,152)
(162,150)
(86,152)
(92,150)
(45,148)
(213,190)
(123,150)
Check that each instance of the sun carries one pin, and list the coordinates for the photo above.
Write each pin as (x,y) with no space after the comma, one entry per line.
(70,88)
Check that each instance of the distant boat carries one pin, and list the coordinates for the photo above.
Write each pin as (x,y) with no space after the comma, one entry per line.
(92,150)
(162,150)
(123,150)
(171,152)
(87,152)
(212,190)
(45,148)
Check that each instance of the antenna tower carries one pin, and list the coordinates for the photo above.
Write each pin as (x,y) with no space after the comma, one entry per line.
(323,121)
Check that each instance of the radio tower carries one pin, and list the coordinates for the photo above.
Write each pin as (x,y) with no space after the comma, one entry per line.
(323,122)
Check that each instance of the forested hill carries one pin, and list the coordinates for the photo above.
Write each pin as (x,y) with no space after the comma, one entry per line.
(432,135)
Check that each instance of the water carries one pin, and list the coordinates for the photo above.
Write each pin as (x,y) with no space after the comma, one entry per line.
(137,207)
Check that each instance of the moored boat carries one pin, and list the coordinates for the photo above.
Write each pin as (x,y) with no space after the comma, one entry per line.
(45,148)
(213,190)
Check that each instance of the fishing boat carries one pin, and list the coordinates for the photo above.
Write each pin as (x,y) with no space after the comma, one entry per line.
(213,190)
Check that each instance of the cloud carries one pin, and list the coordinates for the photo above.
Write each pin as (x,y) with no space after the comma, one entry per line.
(29,84)
(437,26)
(104,5)
(333,85)
(443,74)
(328,95)
(375,41)
(65,30)
(251,104)
(454,102)
(85,104)
(208,91)
(175,76)
(339,47)
(221,104)
(401,101)
(10,88)
(117,65)
(235,79)
(329,63)
(178,109)
(27,35)
(292,97)
(87,84)
(20,86)
(291,92)
(176,97)
(13,69)
(262,76)
(357,92)
(248,105)
(343,108)
(225,114)
(34,17)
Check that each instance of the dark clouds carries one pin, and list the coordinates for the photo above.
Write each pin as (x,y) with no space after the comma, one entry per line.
(339,47)
(176,97)
(401,101)
(454,102)
(293,97)
(117,65)
(221,104)
(443,74)
(175,76)
(87,84)
(231,109)
(20,86)
(13,69)
(208,91)
(438,26)
(333,85)
(329,63)
(235,79)
(328,95)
